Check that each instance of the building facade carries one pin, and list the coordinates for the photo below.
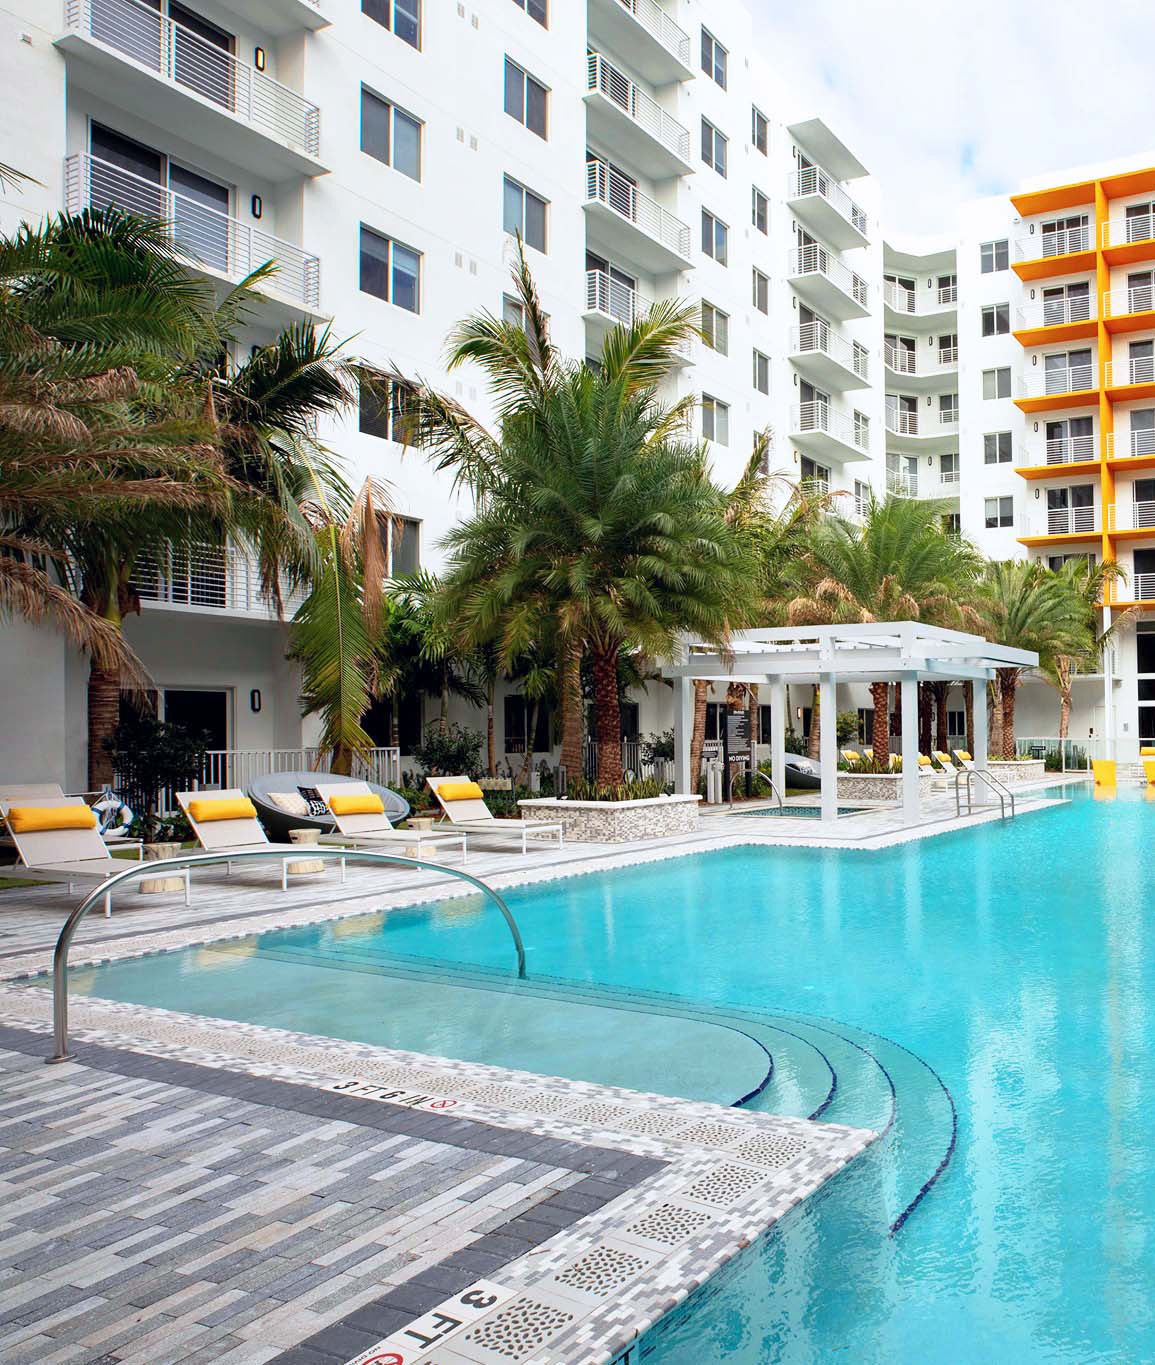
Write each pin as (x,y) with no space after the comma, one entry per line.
(383,154)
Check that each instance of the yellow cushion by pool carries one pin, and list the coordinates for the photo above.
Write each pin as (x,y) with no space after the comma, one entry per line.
(1147,753)
(360,803)
(223,808)
(29,819)
(460,791)
(924,762)
(1149,769)
(962,753)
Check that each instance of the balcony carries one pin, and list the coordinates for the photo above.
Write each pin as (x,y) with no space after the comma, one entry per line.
(659,50)
(1131,378)
(902,304)
(1040,523)
(611,303)
(906,484)
(1046,321)
(633,223)
(1130,309)
(1064,251)
(925,431)
(171,76)
(622,115)
(1129,239)
(1132,445)
(1135,520)
(827,359)
(210,578)
(1070,449)
(1057,387)
(821,203)
(824,431)
(224,247)
(920,369)
(822,280)
(1142,587)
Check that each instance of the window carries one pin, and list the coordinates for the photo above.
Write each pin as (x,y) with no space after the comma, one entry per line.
(861,429)
(997,383)
(402,543)
(714,145)
(714,58)
(716,328)
(861,497)
(761,292)
(536,9)
(999,512)
(524,212)
(996,319)
(759,130)
(515,718)
(512,311)
(383,410)
(759,209)
(994,256)
(948,409)
(715,420)
(715,237)
(997,447)
(526,100)
(402,17)
(390,135)
(390,271)
(761,372)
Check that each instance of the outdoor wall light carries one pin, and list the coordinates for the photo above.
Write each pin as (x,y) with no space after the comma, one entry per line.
(1037,491)
(255,701)
(259,58)
(257,206)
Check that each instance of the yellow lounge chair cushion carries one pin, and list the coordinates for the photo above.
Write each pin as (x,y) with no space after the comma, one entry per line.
(962,753)
(1105,772)
(1147,753)
(924,762)
(460,791)
(223,808)
(30,819)
(359,803)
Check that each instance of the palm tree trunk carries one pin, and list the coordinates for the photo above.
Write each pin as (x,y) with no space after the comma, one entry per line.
(395,721)
(994,717)
(1009,678)
(608,715)
(341,760)
(940,691)
(969,707)
(880,733)
(570,693)
(103,715)
(698,731)
(752,717)
(490,741)
(443,719)
(530,726)
(897,711)
(814,739)
(1064,712)
(925,718)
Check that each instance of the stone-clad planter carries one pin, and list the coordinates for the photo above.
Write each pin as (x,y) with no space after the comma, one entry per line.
(1010,771)
(881,786)
(617,822)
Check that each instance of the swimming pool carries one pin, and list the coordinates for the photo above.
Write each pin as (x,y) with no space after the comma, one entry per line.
(1014,959)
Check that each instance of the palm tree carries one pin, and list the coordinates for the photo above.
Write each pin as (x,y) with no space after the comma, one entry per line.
(897,565)
(597,524)
(1024,605)
(1087,581)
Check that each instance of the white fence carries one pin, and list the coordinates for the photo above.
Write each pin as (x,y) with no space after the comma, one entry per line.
(238,767)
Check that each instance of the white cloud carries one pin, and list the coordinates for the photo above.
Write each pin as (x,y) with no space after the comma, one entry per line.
(950,100)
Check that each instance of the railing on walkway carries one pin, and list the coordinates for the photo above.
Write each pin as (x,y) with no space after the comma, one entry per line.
(224,768)
(1060,754)
(184,866)
(183,57)
(202,233)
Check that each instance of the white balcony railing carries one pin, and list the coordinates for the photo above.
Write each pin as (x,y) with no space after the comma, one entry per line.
(1138,369)
(210,577)
(182,57)
(1140,227)
(1138,515)
(1058,242)
(1131,444)
(814,259)
(613,298)
(901,422)
(605,185)
(1071,449)
(813,180)
(202,233)
(1059,379)
(900,360)
(645,111)
(1055,312)
(904,361)
(950,478)
(1065,521)
(948,418)
(821,417)
(902,482)
(914,303)
(947,357)
(228,768)
(1142,587)
(813,337)
(654,19)
(1135,298)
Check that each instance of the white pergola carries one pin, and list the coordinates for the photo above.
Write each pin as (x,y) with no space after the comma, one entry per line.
(903,652)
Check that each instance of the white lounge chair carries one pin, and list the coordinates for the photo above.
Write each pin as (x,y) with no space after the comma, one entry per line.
(233,827)
(468,811)
(364,828)
(55,846)
(964,760)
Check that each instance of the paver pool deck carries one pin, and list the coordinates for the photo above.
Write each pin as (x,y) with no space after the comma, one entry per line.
(195,1190)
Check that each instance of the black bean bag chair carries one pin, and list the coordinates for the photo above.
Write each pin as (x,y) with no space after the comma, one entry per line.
(278,822)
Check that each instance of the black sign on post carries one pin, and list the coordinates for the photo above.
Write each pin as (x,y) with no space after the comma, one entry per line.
(736,747)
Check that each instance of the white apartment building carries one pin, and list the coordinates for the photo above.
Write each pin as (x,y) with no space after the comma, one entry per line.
(383,153)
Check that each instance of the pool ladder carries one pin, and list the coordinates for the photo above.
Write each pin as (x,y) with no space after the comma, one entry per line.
(999,788)
(754,772)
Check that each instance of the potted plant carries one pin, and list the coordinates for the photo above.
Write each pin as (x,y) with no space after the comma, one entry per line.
(152,759)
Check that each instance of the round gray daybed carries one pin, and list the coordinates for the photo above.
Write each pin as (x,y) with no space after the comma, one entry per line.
(279,822)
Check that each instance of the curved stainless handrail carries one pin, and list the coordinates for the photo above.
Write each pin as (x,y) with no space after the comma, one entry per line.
(1003,792)
(755,772)
(162,865)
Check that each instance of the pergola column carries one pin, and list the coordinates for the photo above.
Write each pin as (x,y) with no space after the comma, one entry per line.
(980,792)
(911,803)
(683,733)
(828,745)
(778,734)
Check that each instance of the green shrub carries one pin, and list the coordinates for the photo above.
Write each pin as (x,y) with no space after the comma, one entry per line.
(640,789)
(450,751)
(655,747)
(846,727)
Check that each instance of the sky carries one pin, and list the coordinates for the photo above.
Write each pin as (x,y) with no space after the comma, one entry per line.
(946,100)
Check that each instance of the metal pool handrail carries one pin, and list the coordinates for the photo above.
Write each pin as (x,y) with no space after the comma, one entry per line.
(755,772)
(1002,792)
(163,865)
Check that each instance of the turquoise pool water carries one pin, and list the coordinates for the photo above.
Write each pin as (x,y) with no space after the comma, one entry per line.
(1016,960)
